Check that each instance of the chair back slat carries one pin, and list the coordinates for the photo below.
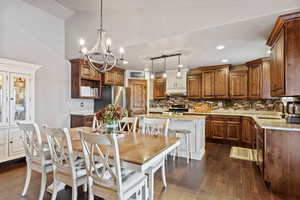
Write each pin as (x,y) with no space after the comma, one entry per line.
(127,124)
(155,126)
(31,139)
(102,149)
(60,144)
(96,123)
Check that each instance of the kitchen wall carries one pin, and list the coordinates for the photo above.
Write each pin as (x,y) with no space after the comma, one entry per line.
(261,105)
(31,35)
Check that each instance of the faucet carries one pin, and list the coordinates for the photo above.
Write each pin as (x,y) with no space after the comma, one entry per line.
(283,108)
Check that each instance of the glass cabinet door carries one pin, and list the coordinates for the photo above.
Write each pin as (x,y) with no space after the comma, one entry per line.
(3,98)
(19,97)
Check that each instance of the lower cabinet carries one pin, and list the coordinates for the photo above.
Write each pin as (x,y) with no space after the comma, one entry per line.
(237,129)
(15,143)
(81,120)
(11,146)
(218,129)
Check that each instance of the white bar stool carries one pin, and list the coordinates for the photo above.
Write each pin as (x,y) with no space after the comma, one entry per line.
(187,134)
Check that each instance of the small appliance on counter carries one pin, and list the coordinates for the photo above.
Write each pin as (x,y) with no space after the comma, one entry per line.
(178,108)
(293,112)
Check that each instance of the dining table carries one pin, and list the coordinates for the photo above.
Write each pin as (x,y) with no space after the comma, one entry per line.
(138,152)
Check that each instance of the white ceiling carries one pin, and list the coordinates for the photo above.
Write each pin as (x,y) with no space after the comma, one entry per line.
(195,27)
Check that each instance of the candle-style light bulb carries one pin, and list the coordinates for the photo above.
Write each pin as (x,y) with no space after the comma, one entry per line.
(81,42)
(121,50)
(84,50)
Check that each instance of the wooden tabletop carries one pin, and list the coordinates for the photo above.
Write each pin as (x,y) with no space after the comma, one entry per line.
(134,148)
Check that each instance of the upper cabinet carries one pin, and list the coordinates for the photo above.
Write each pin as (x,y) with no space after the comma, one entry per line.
(215,81)
(285,57)
(113,77)
(194,86)
(259,79)
(86,82)
(159,88)
(238,84)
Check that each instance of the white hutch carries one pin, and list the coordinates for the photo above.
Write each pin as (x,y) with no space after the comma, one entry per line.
(16,103)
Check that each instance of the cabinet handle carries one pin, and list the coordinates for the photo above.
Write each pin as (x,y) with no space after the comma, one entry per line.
(10,142)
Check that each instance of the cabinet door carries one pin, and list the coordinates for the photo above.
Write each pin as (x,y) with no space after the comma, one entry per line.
(20,98)
(255,71)
(233,131)
(159,89)
(238,85)
(119,78)
(208,88)
(277,66)
(15,142)
(109,78)
(218,129)
(207,128)
(221,83)
(3,144)
(247,132)
(194,86)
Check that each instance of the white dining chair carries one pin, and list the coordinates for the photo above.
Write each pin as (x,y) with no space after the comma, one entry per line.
(37,155)
(96,123)
(156,127)
(127,124)
(68,168)
(110,181)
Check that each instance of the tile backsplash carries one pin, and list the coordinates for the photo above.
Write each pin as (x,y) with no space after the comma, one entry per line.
(260,105)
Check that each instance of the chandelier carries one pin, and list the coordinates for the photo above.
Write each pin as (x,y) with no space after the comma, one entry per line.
(102,52)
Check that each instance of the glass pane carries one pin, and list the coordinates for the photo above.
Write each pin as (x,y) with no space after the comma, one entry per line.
(20,98)
(1,97)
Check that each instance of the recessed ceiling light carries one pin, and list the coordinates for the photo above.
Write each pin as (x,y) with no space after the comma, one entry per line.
(220,47)
(224,60)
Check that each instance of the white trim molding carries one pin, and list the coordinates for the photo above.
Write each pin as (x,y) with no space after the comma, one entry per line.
(18,66)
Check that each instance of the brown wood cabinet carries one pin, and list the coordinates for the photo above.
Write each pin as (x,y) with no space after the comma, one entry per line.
(281,162)
(81,120)
(114,77)
(85,81)
(285,56)
(194,87)
(238,84)
(247,136)
(159,88)
(259,79)
(224,128)
(215,82)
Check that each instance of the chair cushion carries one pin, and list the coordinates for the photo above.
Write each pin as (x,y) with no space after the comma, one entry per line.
(129,179)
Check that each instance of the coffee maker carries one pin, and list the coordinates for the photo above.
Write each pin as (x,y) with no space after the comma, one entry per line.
(293,112)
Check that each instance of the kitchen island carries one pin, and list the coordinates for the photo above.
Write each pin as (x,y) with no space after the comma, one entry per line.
(193,123)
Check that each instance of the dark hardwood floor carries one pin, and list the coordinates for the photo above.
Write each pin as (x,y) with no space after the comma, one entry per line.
(215,177)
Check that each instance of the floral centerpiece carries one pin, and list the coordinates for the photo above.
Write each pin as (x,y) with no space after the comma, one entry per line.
(110,115)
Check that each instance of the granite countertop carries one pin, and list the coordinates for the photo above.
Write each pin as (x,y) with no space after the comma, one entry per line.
(265,119)
(174,117)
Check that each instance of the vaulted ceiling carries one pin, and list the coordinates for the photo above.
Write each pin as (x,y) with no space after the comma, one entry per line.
(195,27)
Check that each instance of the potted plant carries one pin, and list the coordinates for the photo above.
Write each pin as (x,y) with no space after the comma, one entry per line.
(109,117)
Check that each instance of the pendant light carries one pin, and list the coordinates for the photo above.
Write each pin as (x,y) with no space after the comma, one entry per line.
(180,65)
(165,66)
(152,76)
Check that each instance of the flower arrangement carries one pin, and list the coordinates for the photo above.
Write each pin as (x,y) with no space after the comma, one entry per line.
(111,113)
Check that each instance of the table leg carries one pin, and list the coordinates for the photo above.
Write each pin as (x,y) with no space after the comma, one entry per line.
(150,173)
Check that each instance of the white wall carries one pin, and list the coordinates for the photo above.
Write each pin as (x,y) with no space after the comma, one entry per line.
(32,35)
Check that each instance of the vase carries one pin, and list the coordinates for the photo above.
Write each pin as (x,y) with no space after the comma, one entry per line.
(111,127)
